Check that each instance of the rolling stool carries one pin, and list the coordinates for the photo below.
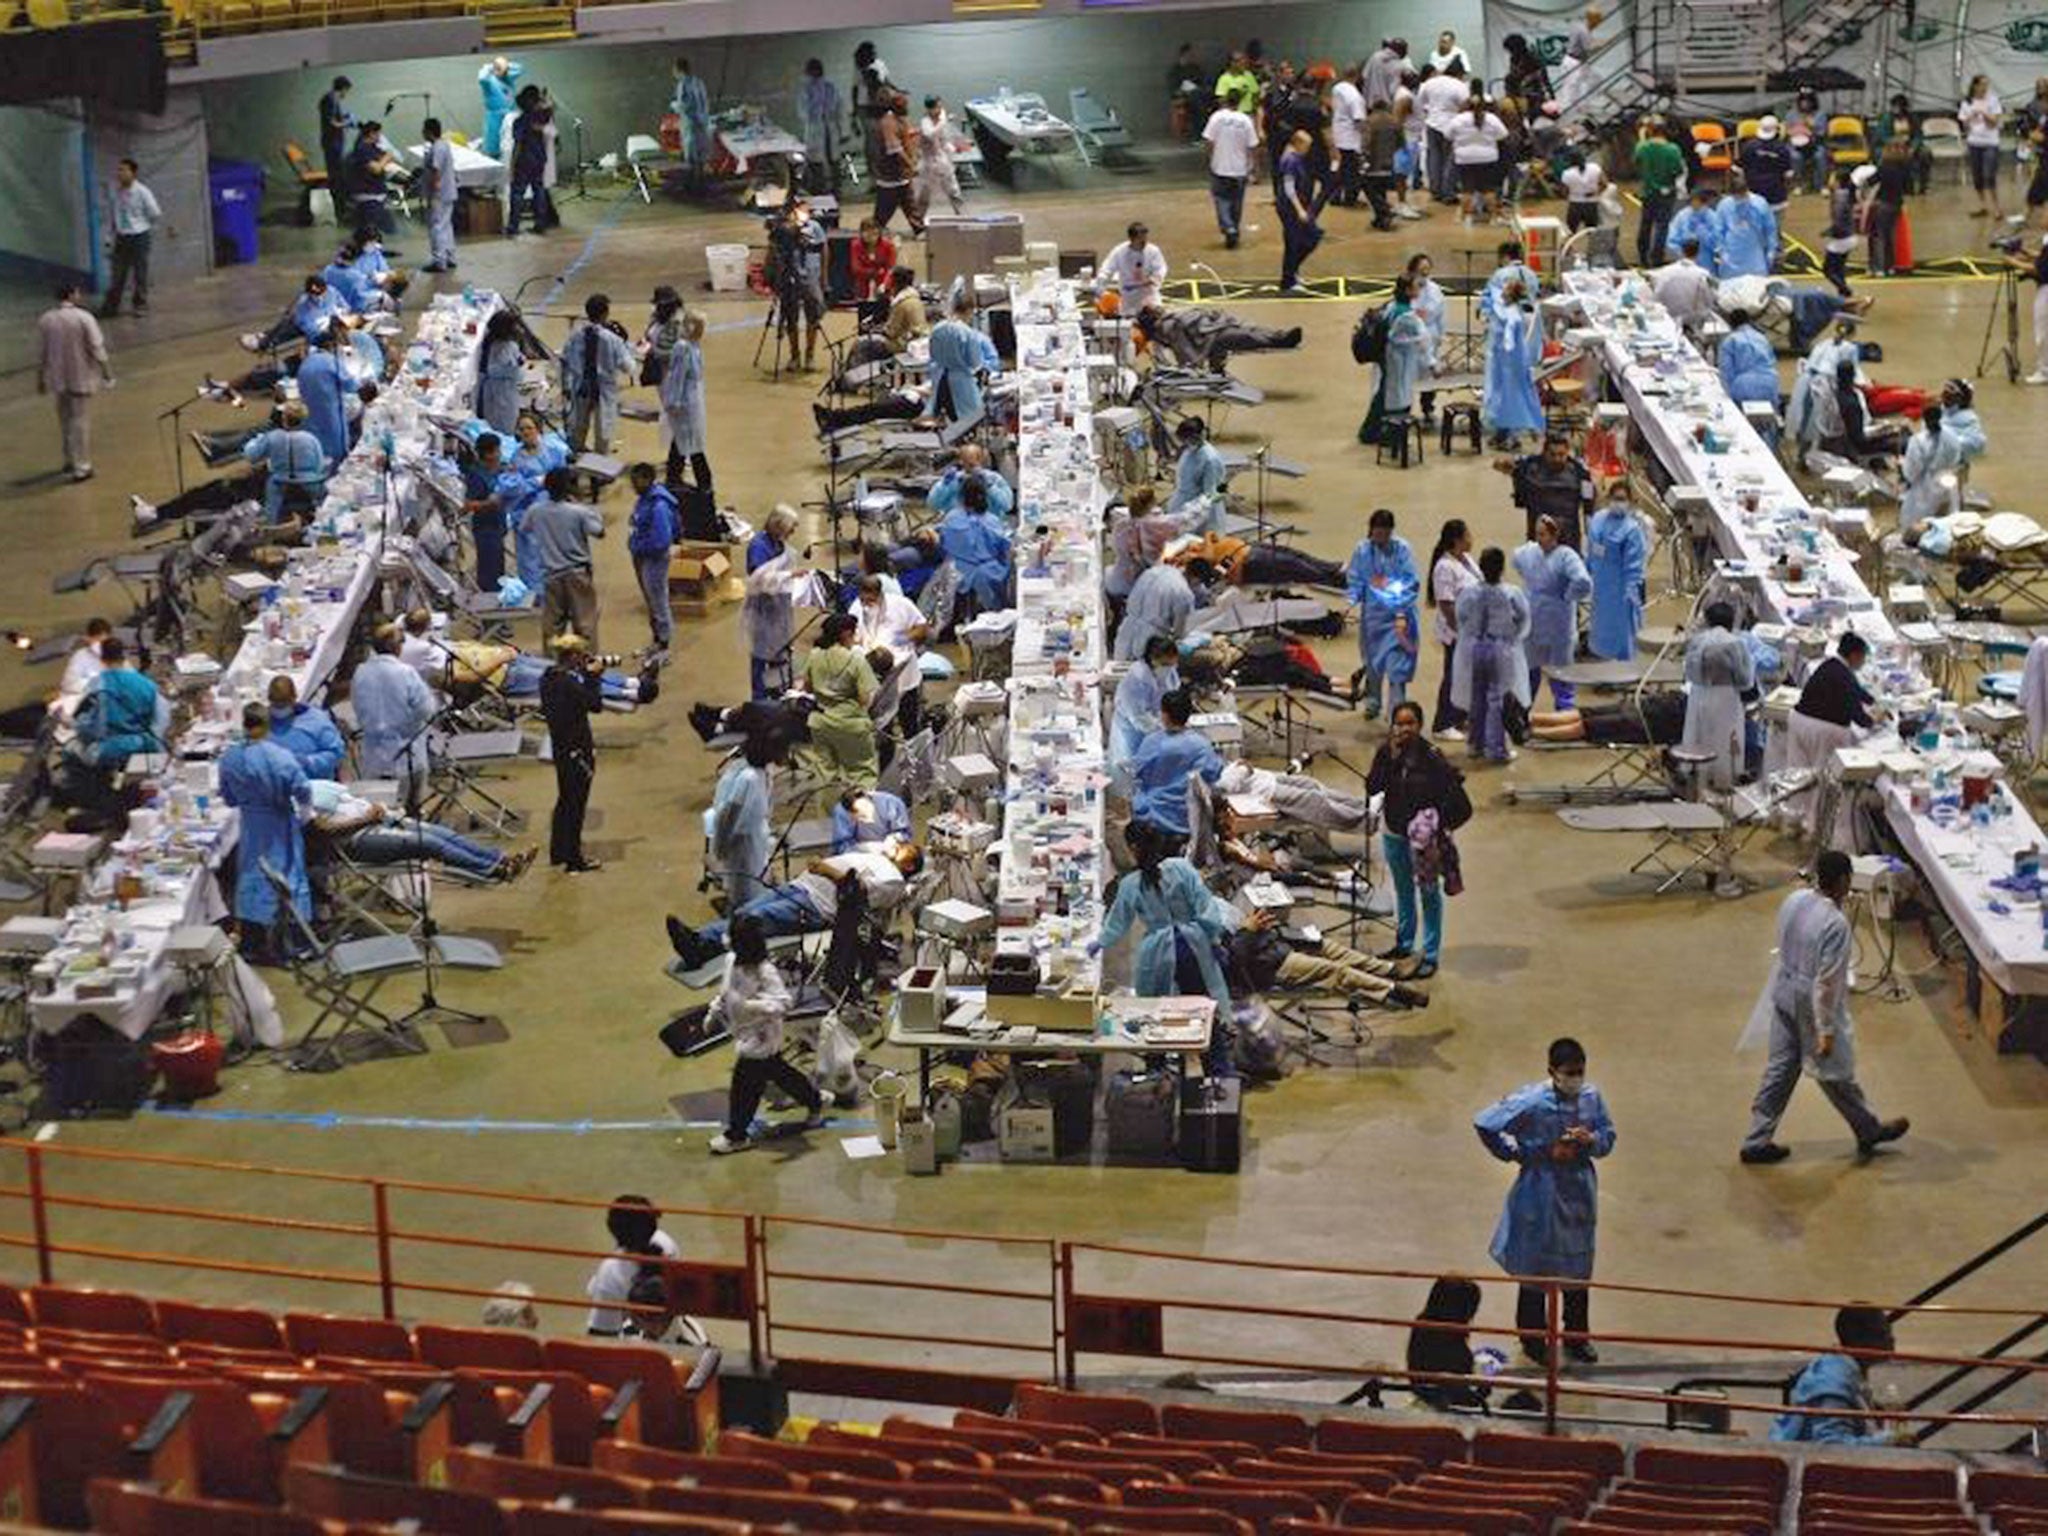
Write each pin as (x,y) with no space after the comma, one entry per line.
(1687,764)
(1459,416)
(1400,431)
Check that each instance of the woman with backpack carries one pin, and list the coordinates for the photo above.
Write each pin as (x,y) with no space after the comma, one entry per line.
(635,1226)
(1425,801)
(1397,343)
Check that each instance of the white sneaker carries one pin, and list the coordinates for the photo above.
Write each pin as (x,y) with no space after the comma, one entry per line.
(251,342)
(145,513)
(1451,733)
(2036,377)
(722,1144)
(1408,211)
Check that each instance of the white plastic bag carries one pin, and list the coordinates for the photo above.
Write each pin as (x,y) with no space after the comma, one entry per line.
(838,1057)
(252,1008)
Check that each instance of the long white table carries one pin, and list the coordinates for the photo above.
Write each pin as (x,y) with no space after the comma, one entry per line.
(1960,861)
(1674,395)
(303,634)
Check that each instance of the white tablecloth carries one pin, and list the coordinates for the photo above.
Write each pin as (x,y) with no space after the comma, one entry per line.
(1020,121)
(752,140)
(1959,863)
(1671,391)
(473,168)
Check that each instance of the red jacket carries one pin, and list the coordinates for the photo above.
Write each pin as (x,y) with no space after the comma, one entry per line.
(871,267)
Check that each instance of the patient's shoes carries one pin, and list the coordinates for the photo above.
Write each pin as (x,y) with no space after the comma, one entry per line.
(145,512)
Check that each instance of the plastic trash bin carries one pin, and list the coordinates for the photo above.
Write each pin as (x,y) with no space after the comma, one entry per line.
(728,265)
(236,188)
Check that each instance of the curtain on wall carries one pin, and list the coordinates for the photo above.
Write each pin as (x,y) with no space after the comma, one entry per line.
(45,215)
(171,148)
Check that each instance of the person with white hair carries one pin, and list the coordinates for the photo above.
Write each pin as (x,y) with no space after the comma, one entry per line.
(511,1306)
(768,612)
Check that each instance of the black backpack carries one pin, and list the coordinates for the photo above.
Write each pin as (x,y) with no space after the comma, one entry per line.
(1369,336)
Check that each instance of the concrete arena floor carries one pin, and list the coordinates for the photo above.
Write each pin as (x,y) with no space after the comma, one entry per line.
(1373,1166)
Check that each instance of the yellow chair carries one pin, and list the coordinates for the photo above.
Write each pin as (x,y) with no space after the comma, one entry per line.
(1744,132)
(1848,141)
(1711,148)
(457,136)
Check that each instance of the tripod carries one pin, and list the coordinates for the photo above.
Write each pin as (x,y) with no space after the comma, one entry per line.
(771,329)
(2007,302)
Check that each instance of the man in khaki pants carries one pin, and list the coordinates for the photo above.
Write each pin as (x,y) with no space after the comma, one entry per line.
(74,368)
(561,530)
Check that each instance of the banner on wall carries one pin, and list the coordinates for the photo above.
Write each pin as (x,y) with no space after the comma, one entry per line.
(2004,39)
(1548,29)
(171,149)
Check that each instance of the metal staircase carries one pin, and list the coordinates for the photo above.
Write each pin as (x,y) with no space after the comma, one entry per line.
(1989,1388)
(1681,52)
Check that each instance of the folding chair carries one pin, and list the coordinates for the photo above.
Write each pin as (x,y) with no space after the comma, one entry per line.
(343,978)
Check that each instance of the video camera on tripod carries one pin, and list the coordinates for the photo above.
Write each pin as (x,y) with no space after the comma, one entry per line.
(792,238)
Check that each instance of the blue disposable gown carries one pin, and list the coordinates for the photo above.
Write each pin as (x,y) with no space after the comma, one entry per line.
(891,819)
(309,734)
(324,388)
(979,547)
(1748,236)
(1831,1381)
(1719,668)
(498,93)
(682,398)
(1816,376)
(356,291)
(1700,224)
(532,466)
(1966,427)
(741,840)
(265,783)
(1556,583)
(312,314)
(1496,285)
(1749,368)
(945,495)
(1196,474)
(769,618)
(1137,710)
(691,104)
(1546,1227)
(958,353)
(1159,772)
(497,386)
(600,383)
(290,456)
(1429,307)
(1181,908)
(393,706)
(1928,455)
(1161,603)
(1618,556)
(1381,603)
(1514,345)
(121,715)
(1407,360)
(1495,618)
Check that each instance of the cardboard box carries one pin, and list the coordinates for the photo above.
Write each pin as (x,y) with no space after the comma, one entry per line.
(918,1142)
(479,213)
(921,997)
(1025,1136)
(1071,1011)
(697,572)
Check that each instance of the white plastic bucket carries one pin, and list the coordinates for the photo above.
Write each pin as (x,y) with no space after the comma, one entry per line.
(887,1093)
(728,265)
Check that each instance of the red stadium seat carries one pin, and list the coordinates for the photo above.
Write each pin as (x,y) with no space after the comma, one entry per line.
(368,1427)
(1222,1450)
(1604,1459)
(57,1306)
(1260,1507)
(905,1449)
(14,1307)
(1029,1486)
(806,1459)
(55,1437)
(1117,1474)
(1121,1517)
(1361,1479)
(659,1466)
(132,1509)
(1329,1495)
(1864,1481)
(2009,1490)
(1043,1430)
(987,1434)
(549,1520)
(678,1399)
(1427,1443)
(1401,1468)
(233,1454)
(1110,1413)
(1406,1514)
(1712,1469)
(954,1522)
(984,1497)
(352,1338)
(188,1322)
(483,1349)
(329,1493)
(579,1416)
(759,1508)
(1119,1463)
(1267,1431)
(502,1477)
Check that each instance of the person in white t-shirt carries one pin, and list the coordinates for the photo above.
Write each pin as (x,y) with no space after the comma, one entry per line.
(635,1227)
(1451,571)
(1347,134)
(1476,137)
(80,668)
(1133,270)
(1448,53)
(1233,140)
(1584,181)
(1980,114)
(1441,99)
(936,177)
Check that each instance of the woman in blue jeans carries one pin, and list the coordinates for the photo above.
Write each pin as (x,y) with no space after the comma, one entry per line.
(1413,777)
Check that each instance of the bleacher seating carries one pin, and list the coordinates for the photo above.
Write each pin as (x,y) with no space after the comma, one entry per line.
(143,1418)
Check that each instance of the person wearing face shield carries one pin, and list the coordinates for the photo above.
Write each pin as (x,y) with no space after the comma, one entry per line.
(1554,1128)
(306,731)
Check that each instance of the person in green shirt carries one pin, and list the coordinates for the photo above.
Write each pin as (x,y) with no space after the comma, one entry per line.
(1239,86)
(1659,166)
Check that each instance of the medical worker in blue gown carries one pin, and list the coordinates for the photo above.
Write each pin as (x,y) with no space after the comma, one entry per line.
(1490,666)
(737,825)
(1749,366)
(1618,556)
(323,390)
(971,463)
(497,81)
(1165,761)
(1555,578)
(1381,579)
(393,706)
(1161,602)
(1184,922)
(1554,1128)
(978,544)
(959,353)
(1508,402)
(1748,232)
(539,451)
(291,457)
(306,731)
(1198,476)
(1136,715)
(1696,221)
(1401,368)
(265,783)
